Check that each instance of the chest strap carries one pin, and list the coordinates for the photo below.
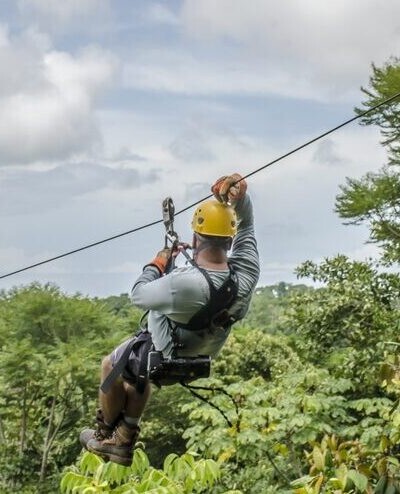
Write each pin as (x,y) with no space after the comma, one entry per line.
(215,312)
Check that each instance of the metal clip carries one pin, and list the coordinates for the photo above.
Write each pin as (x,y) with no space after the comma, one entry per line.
(168,210)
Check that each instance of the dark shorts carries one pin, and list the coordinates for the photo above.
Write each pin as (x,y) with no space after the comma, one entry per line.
(138,353)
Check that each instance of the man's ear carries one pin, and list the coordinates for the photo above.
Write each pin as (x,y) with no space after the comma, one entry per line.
(229,244)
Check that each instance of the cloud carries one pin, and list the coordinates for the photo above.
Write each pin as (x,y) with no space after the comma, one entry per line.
(66,14)
(304,49)
(192,145)
(125,154)
(13,258)
(50,189)
(201,140)
(48,98)
(326,153)
(196,191)
(180,72)
(157,13)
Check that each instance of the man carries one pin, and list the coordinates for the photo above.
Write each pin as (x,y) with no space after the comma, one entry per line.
(174,300)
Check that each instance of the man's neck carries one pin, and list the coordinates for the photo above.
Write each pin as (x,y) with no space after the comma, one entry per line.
(212,259)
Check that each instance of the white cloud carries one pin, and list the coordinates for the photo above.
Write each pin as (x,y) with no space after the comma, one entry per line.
(128,267)
(158,13)
(59,14)
(326,153)
(16,258)
(47,99)
(201,140)
(53,188)
(366,251)
(300,47)
(178,71)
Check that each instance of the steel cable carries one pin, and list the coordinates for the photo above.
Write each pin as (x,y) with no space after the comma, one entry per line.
(156,222)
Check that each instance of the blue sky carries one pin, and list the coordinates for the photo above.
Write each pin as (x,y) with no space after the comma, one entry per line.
(109,106)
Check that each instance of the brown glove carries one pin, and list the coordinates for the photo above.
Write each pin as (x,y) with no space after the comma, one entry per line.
(230,188)
(162,260)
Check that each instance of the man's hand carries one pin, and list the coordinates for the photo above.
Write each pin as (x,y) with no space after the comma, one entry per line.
(229,189)
(162,259)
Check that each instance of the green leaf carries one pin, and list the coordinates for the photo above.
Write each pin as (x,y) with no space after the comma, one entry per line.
(360,481)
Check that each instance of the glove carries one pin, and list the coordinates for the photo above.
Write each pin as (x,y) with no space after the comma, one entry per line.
(162,260)
(227,190)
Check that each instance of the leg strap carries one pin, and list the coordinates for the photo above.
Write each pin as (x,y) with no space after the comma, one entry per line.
(119,366)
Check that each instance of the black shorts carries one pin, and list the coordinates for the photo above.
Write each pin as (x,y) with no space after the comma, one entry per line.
(138,354)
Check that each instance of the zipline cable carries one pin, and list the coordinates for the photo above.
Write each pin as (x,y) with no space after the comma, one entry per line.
(156,222)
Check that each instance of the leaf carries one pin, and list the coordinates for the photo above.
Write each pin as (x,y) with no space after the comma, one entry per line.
(140,462)
(360,481)
(318,483)
(169,461)
(90,490)
(318,459)
(90,463)
(212,469)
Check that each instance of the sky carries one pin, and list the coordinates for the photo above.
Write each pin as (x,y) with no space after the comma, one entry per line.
(107,107)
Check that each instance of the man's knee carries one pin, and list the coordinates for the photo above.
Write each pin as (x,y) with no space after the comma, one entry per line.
(106,364)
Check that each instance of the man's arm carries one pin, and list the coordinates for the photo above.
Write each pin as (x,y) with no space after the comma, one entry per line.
(232,189)
(152,292)
(244,257)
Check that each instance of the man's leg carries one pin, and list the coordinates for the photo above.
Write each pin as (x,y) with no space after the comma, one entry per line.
(119,447)
(111,406)
(135,403)
(113,402)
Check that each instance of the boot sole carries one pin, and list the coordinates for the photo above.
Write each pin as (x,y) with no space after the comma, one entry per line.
(121,460)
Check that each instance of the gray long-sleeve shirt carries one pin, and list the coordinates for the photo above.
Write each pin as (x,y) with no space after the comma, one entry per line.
(183,292)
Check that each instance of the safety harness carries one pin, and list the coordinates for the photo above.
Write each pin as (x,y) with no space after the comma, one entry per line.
(215,312)
(214,315)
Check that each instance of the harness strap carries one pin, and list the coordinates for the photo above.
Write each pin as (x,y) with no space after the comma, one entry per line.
(121,363)
(142,378)
(117,369)
(216,309)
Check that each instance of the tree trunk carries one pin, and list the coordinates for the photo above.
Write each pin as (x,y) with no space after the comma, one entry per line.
(46,448)
(2,435)
(24,420)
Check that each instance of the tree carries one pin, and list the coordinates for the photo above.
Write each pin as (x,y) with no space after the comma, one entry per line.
(343,325)
(374,199)
(268,305)
(51,348)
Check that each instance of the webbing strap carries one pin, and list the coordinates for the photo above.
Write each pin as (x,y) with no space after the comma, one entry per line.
(118,368)
(142,378)
(221,299)
(121,363)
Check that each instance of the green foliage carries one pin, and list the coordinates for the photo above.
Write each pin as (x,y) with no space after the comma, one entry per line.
(375,198)
(344,324)
(180,475)
(384,83)
(51,347)
(348,466)
(252,353)
(271,423)
(268,306)
(165,423)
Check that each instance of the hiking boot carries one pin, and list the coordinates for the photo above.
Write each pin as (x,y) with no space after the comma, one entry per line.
(101,432)
(119,447)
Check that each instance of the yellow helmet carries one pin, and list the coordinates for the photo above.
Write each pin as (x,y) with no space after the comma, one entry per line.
(214,218)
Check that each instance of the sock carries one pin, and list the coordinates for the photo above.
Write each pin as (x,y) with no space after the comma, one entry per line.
(132,420)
